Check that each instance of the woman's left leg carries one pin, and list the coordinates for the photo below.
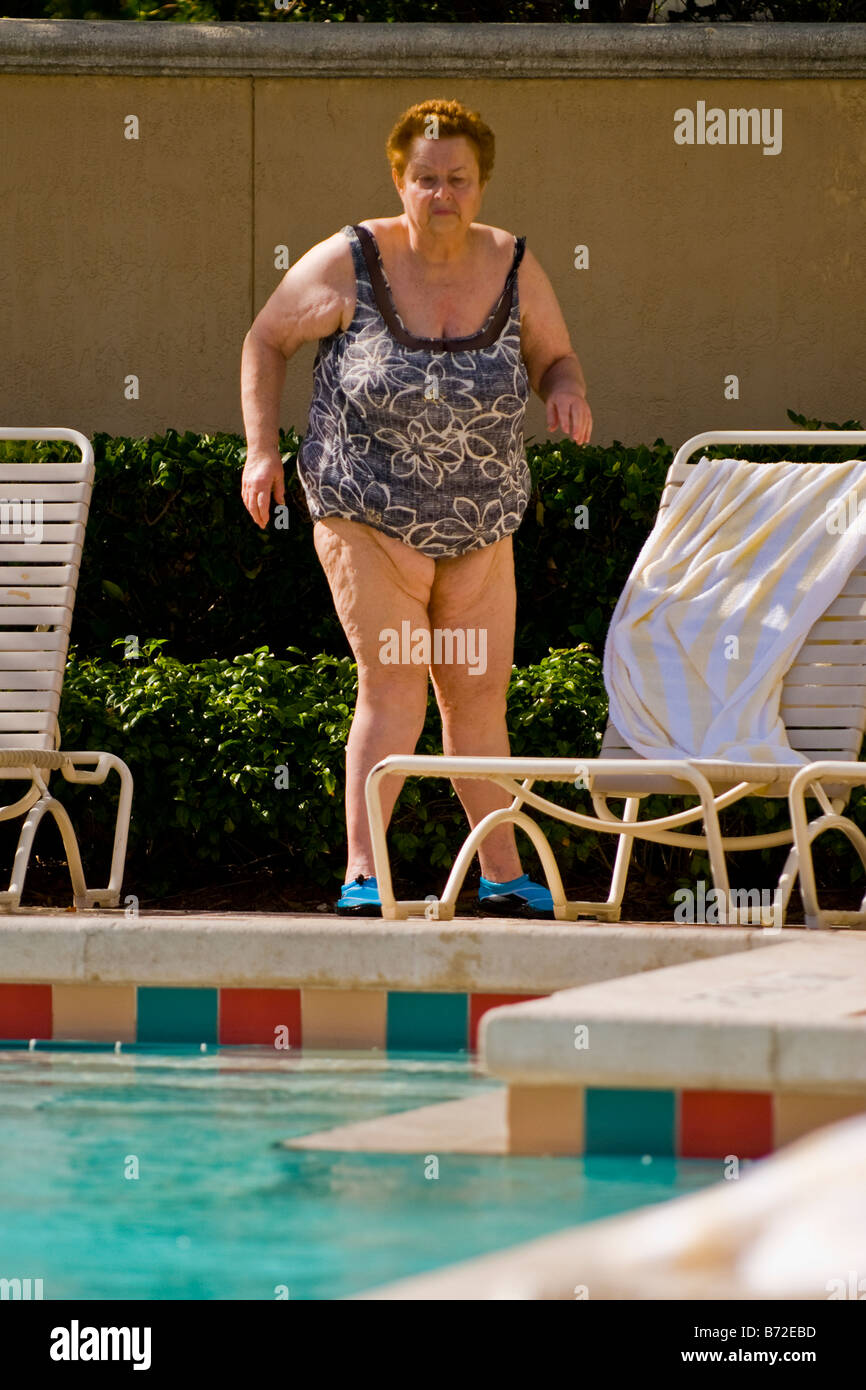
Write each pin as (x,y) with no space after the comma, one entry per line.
(473,599)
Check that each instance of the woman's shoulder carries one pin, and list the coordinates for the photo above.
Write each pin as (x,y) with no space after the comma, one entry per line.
(334,251)
(497,236)
(487,237)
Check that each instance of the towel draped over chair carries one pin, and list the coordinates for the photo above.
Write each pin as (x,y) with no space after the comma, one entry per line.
(732,577)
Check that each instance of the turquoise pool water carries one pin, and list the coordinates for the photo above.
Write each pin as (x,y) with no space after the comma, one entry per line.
(218,1211)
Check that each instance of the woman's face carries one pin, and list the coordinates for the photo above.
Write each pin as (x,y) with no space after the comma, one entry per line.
(440,190)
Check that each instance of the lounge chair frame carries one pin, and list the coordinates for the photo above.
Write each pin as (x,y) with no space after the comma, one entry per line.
(38,581)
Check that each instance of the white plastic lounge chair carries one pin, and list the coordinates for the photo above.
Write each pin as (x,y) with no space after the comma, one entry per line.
(43,514)
(824,712)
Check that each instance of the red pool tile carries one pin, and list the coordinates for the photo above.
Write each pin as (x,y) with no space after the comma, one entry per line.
(25,1011)
(254,1015)
(714,1124)
(480,1003)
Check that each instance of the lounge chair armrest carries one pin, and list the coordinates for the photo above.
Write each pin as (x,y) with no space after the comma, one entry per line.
(104,763)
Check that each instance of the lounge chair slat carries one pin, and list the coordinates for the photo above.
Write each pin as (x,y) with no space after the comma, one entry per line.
(34,740)
(33,594)
(68,510)
(22,552)
(69,532)
(45,491)
(822,674)
(830,717)
(831,697)
(19,575)
(840,653)
(25,722)
(46,700)
(838,630)
(32,660)
(32,641)
(30,679)
(831,740)
(848,605)
(47,472)
(22,616)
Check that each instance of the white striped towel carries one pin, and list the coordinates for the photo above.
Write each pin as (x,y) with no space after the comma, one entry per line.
(746,551)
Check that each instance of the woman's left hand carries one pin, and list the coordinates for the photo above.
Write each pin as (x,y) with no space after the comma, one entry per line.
(567,410)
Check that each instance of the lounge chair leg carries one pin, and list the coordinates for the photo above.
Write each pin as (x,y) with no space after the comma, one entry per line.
(803,842)
(10,901)
(73,855)
(825,917)
(624,848)
(445,906)
(807,782)
(476,837)
(787,878)
(378,834)
(466,854)
(110,895)
(716,851)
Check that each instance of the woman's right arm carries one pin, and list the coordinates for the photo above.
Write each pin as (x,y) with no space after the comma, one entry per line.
(314,298)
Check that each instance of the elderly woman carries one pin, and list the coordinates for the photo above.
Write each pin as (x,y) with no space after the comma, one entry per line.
(432,326)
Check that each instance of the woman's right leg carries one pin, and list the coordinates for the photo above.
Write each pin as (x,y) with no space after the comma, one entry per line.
(377,583)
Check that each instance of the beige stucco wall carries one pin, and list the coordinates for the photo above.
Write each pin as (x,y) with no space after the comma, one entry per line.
(151,256)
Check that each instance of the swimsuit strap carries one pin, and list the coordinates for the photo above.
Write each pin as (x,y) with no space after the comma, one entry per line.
(483,339)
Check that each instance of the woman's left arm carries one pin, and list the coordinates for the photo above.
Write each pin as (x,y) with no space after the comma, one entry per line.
(554,371)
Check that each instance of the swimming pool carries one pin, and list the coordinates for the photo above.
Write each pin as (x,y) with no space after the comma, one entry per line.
(156,1173)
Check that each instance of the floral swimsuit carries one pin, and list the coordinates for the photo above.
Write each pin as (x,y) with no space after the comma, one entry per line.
(421,438)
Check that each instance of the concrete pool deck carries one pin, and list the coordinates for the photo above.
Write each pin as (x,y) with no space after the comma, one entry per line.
(323,951)
(791,1018)
(311,980)
(474,1125)
(739,1055)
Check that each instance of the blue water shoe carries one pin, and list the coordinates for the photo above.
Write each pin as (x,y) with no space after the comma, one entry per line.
(518,898)
(360,898)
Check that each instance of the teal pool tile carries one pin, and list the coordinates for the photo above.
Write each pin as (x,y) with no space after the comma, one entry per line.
(630,1122)
(177,1015)
(438,1022)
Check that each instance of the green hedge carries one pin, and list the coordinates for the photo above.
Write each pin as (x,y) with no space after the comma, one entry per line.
(172,553)
(234,759)
(437,11)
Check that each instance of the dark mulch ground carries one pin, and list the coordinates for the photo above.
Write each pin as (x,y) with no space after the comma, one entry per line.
(271,889)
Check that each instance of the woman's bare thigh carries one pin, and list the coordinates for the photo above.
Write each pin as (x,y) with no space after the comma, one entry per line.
(475,592)
(377,583)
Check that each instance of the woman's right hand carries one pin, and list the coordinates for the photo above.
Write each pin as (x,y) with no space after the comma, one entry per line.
(262,475)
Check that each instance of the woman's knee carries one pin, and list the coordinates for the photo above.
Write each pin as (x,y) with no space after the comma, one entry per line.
(469,690)
(396,695)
